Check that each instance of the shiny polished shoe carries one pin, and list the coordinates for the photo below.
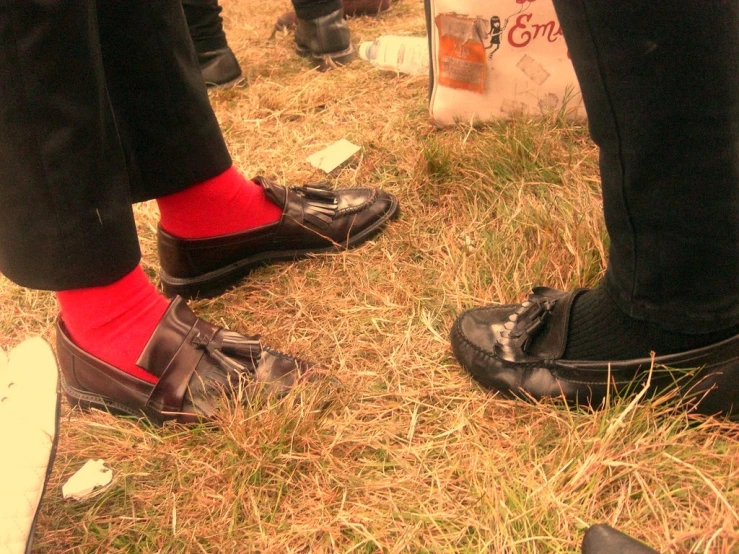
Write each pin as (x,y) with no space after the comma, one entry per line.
(517,350)
(604,539)
(199,366)
(219,67)
(325,40)
(314,220)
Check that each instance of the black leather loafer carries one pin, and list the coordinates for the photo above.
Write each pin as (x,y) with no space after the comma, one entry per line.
(517,350)
(198,366)
(219,67)
(314,220)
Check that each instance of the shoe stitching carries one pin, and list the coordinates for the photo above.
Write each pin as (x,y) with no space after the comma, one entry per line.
(361,207)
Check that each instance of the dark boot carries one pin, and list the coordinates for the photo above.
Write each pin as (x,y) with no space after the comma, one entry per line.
(217,61)
(325,40)
(219,67)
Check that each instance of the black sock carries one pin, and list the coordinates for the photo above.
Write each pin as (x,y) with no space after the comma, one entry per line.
(599,330)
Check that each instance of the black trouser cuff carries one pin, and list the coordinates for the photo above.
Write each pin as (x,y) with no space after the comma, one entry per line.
(313,9)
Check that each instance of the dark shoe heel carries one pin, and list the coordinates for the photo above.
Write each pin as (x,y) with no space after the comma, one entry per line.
(335,60)
(87,401)
(328,61)
(219,68)
(206,286)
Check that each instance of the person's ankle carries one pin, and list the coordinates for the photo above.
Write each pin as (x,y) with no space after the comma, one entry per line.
(114,322)
(225,204)
(599,330)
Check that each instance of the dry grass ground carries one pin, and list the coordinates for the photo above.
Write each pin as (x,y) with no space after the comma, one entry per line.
(408,455)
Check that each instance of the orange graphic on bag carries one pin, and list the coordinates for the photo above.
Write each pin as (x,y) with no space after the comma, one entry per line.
(462,59)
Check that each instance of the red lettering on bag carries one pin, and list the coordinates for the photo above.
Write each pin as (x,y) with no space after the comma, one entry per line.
(522,32)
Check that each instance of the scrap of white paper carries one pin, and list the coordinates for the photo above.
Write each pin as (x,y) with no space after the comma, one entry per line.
(92,474)
(333,156)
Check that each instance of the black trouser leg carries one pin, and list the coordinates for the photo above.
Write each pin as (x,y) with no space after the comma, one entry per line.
(159,97)
(660,82)
(313,9)
(206,24)
(64,197)
(97,109)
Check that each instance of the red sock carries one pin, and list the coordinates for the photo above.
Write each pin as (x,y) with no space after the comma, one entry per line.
(225,204)
(114,322)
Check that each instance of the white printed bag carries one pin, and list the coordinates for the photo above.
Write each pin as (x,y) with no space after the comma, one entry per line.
(491,59)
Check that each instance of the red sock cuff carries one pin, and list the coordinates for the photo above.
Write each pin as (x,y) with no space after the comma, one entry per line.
(114,322)
(96,306)
(228,203)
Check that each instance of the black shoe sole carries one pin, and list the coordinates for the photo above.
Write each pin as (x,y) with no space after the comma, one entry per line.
(215,283)
(327,62)
(88,401)
(229,82)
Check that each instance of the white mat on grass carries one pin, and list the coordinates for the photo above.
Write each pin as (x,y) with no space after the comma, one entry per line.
(28,424)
